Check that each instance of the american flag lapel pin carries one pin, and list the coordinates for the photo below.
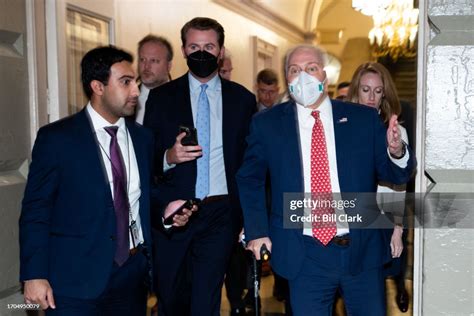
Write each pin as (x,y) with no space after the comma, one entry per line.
(342,120)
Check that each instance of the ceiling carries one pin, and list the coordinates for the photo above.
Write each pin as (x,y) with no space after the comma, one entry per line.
(329,23)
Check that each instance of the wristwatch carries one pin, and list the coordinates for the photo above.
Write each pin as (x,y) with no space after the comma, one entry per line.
(404,150)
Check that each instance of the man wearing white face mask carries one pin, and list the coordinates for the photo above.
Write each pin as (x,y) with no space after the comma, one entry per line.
(329,150)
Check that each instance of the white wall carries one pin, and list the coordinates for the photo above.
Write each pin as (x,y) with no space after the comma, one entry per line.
(447,103)
(135,19)
(102,7)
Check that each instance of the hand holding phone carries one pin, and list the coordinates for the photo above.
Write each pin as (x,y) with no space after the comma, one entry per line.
(179,211)
(185,148)
(191,136)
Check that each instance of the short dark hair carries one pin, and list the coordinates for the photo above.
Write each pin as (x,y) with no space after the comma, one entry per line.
(343,84)
(96,64)
(203,24)
(150,38)
(267,76)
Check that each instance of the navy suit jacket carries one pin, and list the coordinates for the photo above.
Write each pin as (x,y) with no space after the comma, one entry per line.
(168,107)
(362,160)
(67,223)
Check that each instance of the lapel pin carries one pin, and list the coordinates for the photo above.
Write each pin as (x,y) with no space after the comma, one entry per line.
(342,120)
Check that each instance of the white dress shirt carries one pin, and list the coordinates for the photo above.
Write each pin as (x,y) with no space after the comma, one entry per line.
(305,125)
(144,92)
(217,175)
(261,107)
(130,162)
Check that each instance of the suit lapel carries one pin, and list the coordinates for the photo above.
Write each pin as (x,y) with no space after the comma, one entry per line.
(89,151)
(139,150)
(183,102)
(292,148)
(227,121)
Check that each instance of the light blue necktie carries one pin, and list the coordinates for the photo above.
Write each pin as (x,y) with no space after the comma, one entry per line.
(203,130)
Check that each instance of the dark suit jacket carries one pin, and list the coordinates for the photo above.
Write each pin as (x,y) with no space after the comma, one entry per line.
(168,107)
(362,160)
(67,223)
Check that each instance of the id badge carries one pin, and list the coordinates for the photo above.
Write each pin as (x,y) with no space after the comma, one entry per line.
(134,232)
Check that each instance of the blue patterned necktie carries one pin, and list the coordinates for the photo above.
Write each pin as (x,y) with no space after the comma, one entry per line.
(119,177)
(203,130)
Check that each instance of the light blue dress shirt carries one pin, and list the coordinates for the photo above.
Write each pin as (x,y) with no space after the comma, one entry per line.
(217,176)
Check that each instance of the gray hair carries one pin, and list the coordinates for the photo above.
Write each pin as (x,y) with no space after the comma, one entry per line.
(318,51)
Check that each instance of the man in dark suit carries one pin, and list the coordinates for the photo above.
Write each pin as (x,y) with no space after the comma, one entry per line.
(85,221)
(189,280)
(312,144)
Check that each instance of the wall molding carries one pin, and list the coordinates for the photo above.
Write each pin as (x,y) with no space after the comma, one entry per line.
(256,12)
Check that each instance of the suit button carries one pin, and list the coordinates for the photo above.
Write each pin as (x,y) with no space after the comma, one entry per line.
(112,237)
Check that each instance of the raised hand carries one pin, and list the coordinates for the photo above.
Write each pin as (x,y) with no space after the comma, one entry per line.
(395,144)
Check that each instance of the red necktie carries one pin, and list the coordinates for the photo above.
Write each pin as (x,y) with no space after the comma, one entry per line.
(324,226)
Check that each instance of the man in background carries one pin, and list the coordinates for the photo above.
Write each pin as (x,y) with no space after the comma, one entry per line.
(342,90)
(225,66)
(155,55)
(267,89)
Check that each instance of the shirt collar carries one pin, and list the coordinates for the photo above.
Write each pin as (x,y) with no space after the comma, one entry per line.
(98,122)
(212,85)
(325,110)
(144,89)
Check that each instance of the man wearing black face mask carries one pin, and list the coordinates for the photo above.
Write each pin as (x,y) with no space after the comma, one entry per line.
(189,278)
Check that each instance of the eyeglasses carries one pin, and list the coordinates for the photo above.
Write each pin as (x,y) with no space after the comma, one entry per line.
(311,69)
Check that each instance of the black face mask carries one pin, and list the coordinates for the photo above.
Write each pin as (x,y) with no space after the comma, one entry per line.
(202,63)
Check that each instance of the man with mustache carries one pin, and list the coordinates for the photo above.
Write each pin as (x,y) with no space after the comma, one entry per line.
(84,226)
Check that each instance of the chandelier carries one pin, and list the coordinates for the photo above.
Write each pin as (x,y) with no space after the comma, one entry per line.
(395,29)
(370,7)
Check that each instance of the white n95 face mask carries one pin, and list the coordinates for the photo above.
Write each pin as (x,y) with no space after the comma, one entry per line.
(305,89)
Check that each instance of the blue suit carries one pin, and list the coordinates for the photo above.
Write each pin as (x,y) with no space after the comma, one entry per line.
(67,223)
(362,160)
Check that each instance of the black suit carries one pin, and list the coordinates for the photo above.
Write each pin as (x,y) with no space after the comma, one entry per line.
(184,272)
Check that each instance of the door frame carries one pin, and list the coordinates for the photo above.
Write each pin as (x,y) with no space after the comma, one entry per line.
(56,42)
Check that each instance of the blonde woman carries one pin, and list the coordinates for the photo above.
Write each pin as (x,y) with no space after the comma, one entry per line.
(373,86)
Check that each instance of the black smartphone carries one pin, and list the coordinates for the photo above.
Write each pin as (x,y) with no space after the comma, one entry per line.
(188,204)
(191,136)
